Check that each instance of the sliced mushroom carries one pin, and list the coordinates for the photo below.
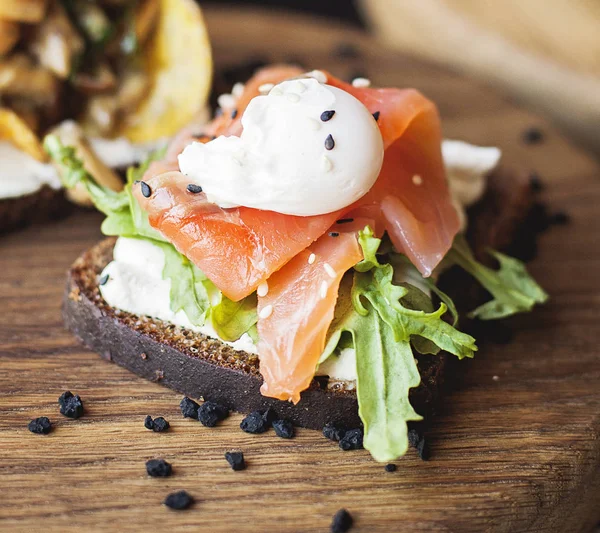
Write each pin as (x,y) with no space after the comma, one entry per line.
(71,134)
(19,77)
(100,116)
(56,43)
(9,35)
(29,11)
(146,18)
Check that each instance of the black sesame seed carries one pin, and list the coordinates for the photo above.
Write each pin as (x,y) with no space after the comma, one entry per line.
(256,422)
(234,113)
(146,190)
(327,115)
(329,142)
(533,135)
(333,432)
(235,460)
(334,234)
(179,500)
(342,522)
(194,189)
(352,440)
(344,221)
(390,467)
(41,425)
(209,413)
(158,468)
(103,280)
(189,408)
(213,137)
(136,182)
(218,112)
(376,115)
(70,405)
(284,429)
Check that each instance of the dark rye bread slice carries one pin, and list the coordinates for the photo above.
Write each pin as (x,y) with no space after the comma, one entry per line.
(201,367)
(42,205)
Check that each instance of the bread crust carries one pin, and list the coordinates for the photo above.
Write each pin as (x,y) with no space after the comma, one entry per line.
(44,204)
(201,367)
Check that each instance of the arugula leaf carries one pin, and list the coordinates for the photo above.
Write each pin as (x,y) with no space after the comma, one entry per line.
(119,223)
(377,287)
(72,172)
(187,293)
(232,319)
(386,371)
(401,263)
(512,287)
(369,244)
(417,300)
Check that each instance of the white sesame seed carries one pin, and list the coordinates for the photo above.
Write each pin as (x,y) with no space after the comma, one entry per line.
(314,124)
(318,75)
(266,312)
(495,378)
(326,164)
(276,91)
(262,289)
(329,269)
(417,180)
(226,101)
(299,86)
(323,290)
(265,87)
(311,259)
(293,97)
(361,83)
(238,90)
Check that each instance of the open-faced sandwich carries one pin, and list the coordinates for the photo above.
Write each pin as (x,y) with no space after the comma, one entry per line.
(97,73)
(288,254)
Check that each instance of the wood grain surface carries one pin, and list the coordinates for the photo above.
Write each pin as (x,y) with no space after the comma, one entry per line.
(515,447)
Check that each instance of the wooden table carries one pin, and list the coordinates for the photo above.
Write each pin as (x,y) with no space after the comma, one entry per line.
(515,448)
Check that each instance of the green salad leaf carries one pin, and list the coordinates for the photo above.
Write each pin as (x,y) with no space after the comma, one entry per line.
(187,292)
(383,319)
(385,297)
(191,291)
(512,287)
(232,319)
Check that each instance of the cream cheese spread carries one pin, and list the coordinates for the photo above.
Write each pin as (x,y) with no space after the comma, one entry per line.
(21,174)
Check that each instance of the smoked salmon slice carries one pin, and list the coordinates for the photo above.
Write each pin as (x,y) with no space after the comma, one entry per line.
(296,313)
(411,190)
(238,248)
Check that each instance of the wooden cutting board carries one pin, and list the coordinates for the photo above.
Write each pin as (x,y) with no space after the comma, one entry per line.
(515,447)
